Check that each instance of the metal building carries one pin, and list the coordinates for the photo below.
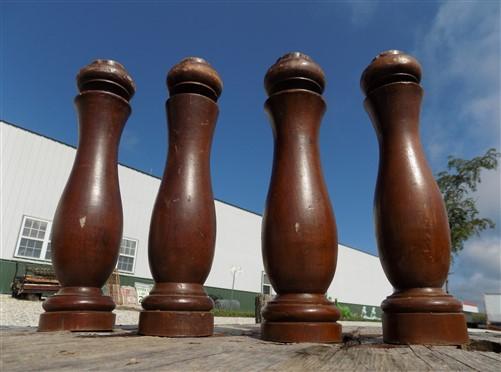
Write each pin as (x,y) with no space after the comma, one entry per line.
(34,171)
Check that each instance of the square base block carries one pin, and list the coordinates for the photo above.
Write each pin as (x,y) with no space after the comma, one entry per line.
(176,323)
(98,321)
(425,328)
(320,332)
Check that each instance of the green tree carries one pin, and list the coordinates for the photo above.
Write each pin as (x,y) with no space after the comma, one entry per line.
(457,184)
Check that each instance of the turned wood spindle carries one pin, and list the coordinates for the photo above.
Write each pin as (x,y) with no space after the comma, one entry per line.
(183,223)
(410,217)
(299,238)
(87,227)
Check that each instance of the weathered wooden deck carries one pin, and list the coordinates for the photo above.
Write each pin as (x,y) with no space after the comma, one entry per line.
(235,348)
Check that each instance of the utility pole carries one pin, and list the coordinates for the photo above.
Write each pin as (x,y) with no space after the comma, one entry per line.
(235,270)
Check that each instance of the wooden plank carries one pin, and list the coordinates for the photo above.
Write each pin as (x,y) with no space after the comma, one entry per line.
(360,359)
(94,354)
(38,279)
(406,359)
(492,355)
(363,359)
(235,348)
(233,354)
(308,357)
(489,340)
(471,359)
(435,359)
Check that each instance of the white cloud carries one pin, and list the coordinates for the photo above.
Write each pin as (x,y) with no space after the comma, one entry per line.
(488,195)
(362,11)
(483,111)
(460,54)
(485,254)
(477,269)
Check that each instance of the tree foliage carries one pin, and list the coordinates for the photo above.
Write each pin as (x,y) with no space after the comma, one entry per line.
(457,184)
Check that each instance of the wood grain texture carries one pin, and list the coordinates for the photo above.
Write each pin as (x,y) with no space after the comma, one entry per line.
(183,223)
(87,227)
(299,237)
(231,348)
(410,218)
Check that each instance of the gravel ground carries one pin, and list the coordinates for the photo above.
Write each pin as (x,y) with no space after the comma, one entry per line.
(23,313)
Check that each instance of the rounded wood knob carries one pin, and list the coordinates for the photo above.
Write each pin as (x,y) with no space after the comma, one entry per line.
(389,67)
(194,75)
(107,75)
(294,70)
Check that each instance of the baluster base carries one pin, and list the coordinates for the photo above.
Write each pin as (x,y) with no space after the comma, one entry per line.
(176,323)
(423,316)
(301,317)
(425,328)
(76,321)
(321,332)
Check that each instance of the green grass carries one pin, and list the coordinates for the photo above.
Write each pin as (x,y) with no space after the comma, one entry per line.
(233,313)
(346,313)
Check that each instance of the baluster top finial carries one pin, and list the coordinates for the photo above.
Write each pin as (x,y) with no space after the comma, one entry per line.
(294,70)
(107,75)
(389,67)
(194,75)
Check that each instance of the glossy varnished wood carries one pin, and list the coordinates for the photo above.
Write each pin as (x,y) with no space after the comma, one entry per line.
(87,226)
(183,223)
(299,239)
(410,217)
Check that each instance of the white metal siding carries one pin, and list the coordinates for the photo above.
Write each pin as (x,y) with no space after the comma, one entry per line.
(34,171)
(359,278)
(238,243)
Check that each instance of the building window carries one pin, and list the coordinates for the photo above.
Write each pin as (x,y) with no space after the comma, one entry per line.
(48,252)
(35,242)
(265,284)
(34,239)
(127,255)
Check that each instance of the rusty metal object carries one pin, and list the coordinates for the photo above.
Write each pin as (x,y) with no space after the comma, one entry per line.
(183,224)
(410,217)
(299,238)
(35,282)
(87,226)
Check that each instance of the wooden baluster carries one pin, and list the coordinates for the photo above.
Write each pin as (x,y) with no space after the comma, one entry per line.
(410,217)
(299,239)
(183,224)
(87,227)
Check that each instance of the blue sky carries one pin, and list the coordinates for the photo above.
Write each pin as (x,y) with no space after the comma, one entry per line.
(44,44)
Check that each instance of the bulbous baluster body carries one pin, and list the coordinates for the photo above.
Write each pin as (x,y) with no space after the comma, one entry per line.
(87,227)
(417,231)
(298,221)
(299,240)
(410,216)
(183,223)
(89,215)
